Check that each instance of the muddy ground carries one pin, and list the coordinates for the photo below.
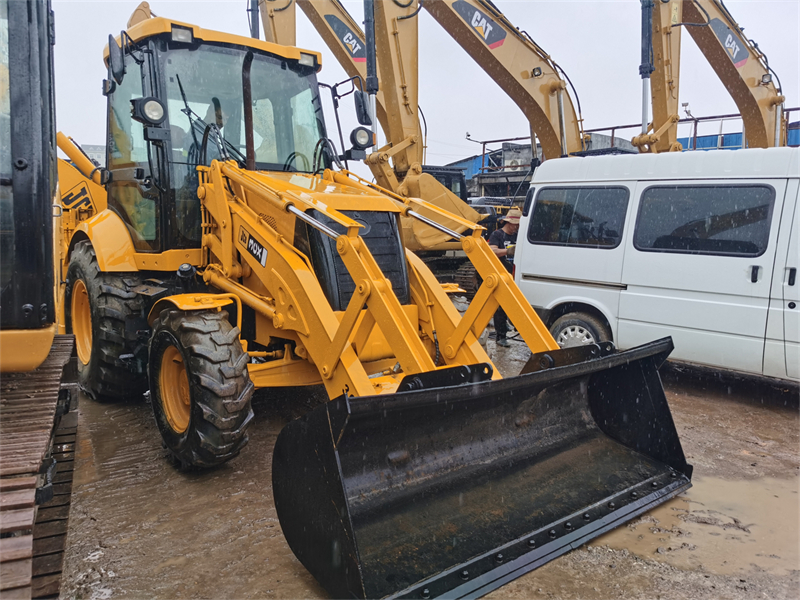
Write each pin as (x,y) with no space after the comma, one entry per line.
(141,529)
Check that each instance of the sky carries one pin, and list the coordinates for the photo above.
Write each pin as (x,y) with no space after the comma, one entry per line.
(597,43)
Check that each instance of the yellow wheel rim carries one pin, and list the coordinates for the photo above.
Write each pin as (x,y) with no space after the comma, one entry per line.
(174,384)
(82,321)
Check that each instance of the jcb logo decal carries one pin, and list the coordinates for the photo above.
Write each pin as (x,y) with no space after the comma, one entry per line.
(733,45)
(348,37)
(253,246)
(481,23)
(77,198)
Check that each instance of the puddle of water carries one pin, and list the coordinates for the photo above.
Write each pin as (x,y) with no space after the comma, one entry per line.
(720,526)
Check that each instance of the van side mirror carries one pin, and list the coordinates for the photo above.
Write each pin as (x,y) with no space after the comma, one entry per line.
(362,108)
(116,60)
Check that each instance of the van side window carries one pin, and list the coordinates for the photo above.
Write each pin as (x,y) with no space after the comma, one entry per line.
(590,217)
(722,220)
(526,208)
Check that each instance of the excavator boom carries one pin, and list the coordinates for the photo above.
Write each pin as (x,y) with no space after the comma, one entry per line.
(738,62)
(742,68)
(398,166)
(519,66)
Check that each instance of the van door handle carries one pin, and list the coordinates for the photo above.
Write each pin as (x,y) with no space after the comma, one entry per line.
(792,275)
(754,273)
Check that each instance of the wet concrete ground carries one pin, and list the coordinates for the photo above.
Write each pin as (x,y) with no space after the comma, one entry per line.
(141,529)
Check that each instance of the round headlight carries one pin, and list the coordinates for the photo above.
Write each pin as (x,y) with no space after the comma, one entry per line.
(361,138)
(153,110)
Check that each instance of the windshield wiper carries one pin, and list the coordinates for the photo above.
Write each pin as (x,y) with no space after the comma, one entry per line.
(204,126)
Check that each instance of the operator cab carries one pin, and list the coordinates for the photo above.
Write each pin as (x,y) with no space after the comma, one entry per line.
(187,95)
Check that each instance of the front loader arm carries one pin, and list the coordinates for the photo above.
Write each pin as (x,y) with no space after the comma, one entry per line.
(498,287)
(295,302)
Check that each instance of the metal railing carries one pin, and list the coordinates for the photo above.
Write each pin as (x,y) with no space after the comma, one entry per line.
(696,121)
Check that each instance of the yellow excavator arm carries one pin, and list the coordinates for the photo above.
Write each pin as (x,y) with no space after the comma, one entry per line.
(341,34)
(519,66)
(738,62)
(742,68)
(397,57)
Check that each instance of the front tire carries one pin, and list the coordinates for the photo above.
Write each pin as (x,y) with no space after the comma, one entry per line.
(579,329)
(98,305)
(199,387)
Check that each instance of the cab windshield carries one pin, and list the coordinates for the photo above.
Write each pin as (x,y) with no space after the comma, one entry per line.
(204,87)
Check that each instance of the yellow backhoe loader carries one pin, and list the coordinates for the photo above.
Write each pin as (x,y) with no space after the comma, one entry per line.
(738,62)
(224,248)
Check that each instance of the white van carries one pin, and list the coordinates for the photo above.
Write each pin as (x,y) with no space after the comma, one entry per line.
(700,246)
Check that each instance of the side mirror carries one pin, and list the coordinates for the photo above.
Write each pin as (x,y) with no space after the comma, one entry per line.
(362,108)
(116,60)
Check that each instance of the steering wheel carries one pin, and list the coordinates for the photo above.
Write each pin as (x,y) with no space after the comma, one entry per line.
(292,157)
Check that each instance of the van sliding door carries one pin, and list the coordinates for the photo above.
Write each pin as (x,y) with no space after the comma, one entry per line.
(699,268)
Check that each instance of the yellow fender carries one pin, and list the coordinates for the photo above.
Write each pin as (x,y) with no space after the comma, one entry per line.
(111,241)
(189,302)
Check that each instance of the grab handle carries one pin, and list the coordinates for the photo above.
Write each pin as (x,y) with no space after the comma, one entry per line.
(754,273)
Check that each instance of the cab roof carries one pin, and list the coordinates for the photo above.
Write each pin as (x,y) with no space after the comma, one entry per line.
(158,25)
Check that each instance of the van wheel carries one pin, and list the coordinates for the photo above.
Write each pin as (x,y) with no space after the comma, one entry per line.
(579,329)
(199,387)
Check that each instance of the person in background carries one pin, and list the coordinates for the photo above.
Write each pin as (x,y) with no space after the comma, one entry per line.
(503,242)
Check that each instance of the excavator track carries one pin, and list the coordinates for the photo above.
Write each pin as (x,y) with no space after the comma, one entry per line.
(37,439)
(467,279)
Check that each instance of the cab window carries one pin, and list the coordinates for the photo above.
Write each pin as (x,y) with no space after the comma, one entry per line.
(127,153)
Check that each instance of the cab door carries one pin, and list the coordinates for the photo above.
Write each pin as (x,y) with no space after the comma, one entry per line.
(132,192)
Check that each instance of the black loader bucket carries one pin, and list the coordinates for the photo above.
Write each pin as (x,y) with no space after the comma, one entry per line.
(454,491)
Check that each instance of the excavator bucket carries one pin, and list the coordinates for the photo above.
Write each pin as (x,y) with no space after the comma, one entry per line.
(457,489)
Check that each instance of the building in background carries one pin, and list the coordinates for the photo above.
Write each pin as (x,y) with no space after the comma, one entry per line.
(506,172)
(96,153)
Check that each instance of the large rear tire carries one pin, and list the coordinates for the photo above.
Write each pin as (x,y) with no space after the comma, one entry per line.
(199,387)
(97,306)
